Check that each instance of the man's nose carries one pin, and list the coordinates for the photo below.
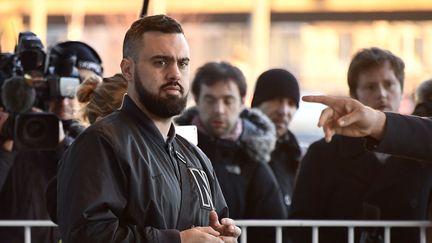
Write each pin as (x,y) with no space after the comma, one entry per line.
(219,107)
(174,73)
(284,107)
(382,92)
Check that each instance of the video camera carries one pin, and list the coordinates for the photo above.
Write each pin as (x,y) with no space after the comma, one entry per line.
(29,54)
(61,77)
(53,76)
(34,79)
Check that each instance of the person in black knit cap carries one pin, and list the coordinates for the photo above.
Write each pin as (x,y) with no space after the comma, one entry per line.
(88,60)
(277,95)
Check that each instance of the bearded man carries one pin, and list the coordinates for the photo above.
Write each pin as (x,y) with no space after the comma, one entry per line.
(129,177)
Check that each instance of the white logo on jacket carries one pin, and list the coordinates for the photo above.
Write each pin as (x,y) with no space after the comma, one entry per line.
(203,184)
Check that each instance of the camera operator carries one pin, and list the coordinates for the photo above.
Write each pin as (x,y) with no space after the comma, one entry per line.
(28,57)
(36,103)
(72,59)
(88,61)
(29,170)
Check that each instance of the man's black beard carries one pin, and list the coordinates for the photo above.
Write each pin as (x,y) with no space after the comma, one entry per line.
(161,107)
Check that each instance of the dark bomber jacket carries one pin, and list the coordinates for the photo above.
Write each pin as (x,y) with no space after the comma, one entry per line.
(122,182)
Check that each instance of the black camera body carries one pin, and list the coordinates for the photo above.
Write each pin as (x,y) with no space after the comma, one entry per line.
(29,54)
(6,66)
(55,87)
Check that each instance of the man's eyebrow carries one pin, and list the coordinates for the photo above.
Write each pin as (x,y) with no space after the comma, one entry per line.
(162,57)
(228,96)
(209,96)
(170,58)
(184,59)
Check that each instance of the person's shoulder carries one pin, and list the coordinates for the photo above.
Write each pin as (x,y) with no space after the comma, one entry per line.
(322,145)
(187,116)
(256,123)
(116,121)
(186,144)
(336,141)
(258,138)
(340,148)
(192,148)
(106,129)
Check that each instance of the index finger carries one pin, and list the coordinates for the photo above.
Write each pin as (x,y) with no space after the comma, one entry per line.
(323,99)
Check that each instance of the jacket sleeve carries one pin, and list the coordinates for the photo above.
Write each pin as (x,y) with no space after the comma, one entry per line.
(406,136)
(92,196)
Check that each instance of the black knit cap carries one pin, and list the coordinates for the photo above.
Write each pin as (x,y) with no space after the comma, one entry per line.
(276,83)
(87,57)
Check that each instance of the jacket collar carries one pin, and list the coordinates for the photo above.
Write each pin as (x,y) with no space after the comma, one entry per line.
(144,122)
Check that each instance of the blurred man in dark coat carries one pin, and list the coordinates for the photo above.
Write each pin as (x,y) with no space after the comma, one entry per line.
(343,180)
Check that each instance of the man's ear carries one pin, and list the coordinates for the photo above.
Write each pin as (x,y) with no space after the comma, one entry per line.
(127,68)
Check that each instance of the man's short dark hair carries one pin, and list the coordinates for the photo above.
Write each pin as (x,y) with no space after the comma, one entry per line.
(214,72)
(371,58)
(161,23)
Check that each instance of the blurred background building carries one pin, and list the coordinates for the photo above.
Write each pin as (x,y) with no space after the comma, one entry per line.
(314,39)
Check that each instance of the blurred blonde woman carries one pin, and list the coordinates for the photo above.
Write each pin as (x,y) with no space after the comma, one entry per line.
(100,98)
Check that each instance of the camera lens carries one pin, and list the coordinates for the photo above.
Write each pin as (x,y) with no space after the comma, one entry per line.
(35,129)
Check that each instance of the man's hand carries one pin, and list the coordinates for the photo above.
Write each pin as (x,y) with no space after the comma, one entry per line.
(348,117)
(200,235)
(227,229)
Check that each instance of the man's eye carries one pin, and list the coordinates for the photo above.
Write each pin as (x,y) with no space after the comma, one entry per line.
(370,87)
(209,100)
(229,101)
(183,64)
(389,85)
(161,63)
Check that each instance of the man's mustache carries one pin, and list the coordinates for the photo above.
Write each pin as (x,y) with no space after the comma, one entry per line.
(173,83)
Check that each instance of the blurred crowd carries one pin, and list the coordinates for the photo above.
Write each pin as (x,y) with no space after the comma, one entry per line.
(49,96)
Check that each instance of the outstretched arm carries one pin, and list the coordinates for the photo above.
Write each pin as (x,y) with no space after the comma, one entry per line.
(400,135)
(348,117)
